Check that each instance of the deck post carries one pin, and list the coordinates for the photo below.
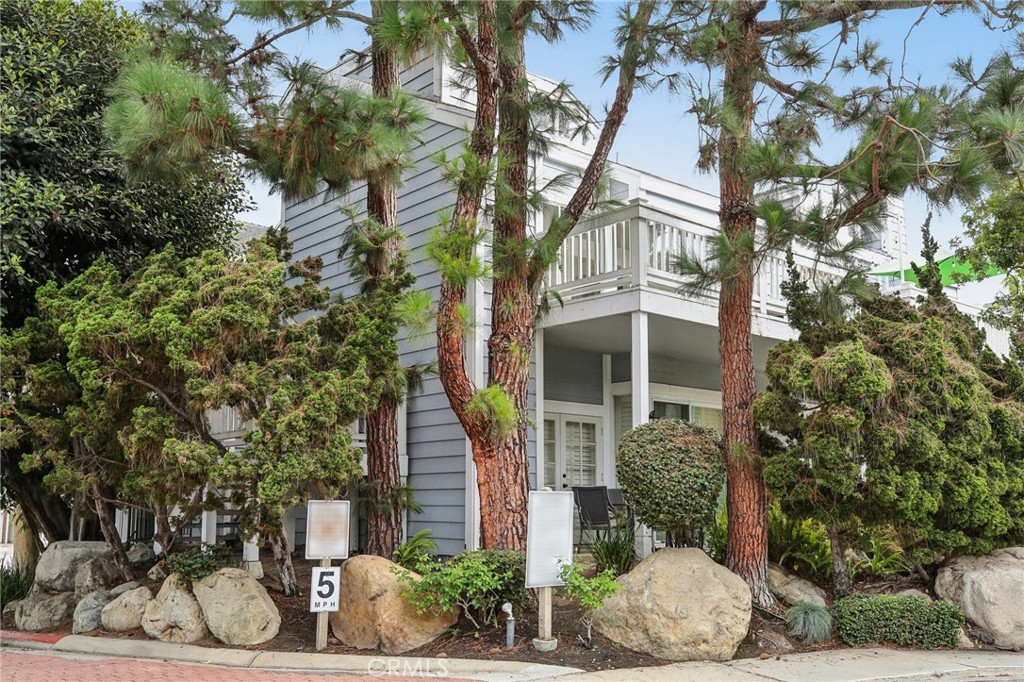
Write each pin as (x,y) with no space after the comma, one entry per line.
(640,380)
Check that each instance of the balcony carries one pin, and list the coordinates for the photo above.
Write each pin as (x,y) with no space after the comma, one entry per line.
(637,246)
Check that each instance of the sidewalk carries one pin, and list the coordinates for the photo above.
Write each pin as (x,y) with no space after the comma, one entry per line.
(847,665)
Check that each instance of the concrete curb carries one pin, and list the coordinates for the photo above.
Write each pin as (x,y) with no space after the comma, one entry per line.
(464,668)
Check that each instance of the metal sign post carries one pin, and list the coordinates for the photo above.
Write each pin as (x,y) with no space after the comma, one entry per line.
(327,525)
(548,547)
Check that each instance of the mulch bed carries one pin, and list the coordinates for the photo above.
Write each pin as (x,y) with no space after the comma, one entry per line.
(767,637)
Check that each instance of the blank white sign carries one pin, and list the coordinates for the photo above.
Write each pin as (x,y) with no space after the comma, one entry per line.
(327,529)
(548,537)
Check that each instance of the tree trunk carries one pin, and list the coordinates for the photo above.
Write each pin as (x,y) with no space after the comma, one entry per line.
(384,514)
(283,560)
(44,513)
(746,499)
(163,534)
(110,534)
(842,583)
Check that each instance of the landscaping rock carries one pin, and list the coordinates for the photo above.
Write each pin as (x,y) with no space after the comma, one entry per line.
(990,591)
(141,556)
(124,587)
(89,611)
(61,561)
(42,611)
(915,593)
(157,572)
(125,612)
(963,641)
(174,615)
(791,588)
(680,605)
(237,609)
(374,615)
(97,573)
(10,607)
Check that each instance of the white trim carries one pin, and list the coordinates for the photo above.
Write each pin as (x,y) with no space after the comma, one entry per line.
(640,368)
(475,361)
(581,409)
(698,397)
(611,475)
(539,404)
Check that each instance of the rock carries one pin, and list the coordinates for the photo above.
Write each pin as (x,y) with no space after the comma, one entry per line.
(141,556)
(157,572)
(174,615)
(791,588)
(125,612)
(97,573)
(89,610)
(237,609)
(124,587)
(42,611)
(915,593)
(963,641)
(10,607)
(771,641)
(989,590)
(373,614)
(61,560)
(680,605)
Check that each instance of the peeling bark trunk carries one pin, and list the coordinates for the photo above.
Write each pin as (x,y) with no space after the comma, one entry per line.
(842,584)
(110,534)
(278,541)
(44,513)
(746,498)
(384,516)
(163,534)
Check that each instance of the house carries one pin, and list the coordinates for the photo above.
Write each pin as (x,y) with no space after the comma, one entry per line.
(625,346)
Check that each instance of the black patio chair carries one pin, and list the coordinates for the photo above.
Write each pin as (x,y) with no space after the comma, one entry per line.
(594,506)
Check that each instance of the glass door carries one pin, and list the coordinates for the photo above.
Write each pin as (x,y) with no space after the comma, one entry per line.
(572,451)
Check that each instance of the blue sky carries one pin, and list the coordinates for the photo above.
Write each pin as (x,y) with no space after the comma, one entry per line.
(658,135)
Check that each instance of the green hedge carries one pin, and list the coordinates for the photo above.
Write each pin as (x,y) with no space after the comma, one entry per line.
(898,619)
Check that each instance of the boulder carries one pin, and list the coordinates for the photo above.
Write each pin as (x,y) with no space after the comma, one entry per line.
(97,573)
(237,609)
(990,591)
(791,588)
(42,611)
(141,556)
(680,605)
(125,612)
(174,615)
(157,572)
(372,613)
(10,607)
(88,612)
(123,587)
(915,593)
(61,560)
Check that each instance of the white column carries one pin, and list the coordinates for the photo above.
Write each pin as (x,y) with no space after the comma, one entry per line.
(475,361)
(640,370)
(538,363)
(208,528)
(289,527)
(121,523)
(251,557)
(609,478)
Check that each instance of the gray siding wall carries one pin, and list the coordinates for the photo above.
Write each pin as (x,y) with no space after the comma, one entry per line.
(436,442)
(573,376)
(672,371)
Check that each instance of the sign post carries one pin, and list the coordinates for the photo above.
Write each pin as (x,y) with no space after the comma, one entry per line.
(548,547)
(326,539)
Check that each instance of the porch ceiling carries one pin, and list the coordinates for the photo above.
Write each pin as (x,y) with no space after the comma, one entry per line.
(668,336)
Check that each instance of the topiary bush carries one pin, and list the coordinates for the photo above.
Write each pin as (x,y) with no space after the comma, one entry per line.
(477,582)
(196,563)
(671,473)
(897,619)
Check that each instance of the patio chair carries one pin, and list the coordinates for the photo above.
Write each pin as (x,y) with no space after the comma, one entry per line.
(593,504)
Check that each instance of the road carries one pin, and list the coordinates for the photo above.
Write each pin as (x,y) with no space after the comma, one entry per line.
(30,666)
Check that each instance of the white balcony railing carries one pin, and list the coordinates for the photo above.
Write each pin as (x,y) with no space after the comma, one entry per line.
(638,246)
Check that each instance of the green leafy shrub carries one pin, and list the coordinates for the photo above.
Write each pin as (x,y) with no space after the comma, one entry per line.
(671,473)
(617,552)
(885,555)
(897,619)
(798,544)
(196,563)
(589,593)
(416,551)
(810,623)
(15,583)
(477,582)
(716,537)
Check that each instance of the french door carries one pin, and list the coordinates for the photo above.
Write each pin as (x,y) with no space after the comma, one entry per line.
(572,451)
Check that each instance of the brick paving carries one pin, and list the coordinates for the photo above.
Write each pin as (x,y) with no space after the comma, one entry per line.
(32,667)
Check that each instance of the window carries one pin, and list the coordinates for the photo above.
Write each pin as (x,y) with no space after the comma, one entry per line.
(663,410)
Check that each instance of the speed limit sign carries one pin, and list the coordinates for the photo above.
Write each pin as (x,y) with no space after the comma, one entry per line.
(323,593)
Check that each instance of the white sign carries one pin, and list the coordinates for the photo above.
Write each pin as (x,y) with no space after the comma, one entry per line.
(548,537)
(327,529)
(325,588)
